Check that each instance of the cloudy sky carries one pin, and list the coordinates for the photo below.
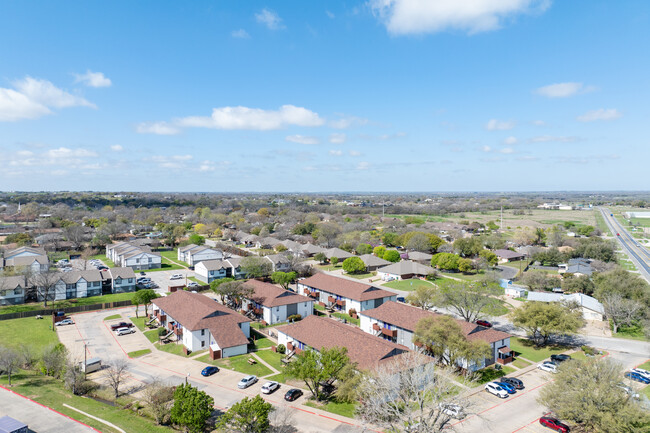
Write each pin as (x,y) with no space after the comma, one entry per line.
(366,95)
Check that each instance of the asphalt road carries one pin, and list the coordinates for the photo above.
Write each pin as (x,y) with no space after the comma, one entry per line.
(631,247)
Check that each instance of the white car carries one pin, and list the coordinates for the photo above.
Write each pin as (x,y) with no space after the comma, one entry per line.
(642,372)
(629,391)
(176,277)
(495,389)
(247,381)
(452,410)
(269,387)
(193,284)
(548,366)
(124,331)
(65,322)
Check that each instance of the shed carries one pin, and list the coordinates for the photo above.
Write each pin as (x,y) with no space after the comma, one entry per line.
(10,425)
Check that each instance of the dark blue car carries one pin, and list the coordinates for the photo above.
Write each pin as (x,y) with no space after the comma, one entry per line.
(509,388)
(209,371)
(636,376)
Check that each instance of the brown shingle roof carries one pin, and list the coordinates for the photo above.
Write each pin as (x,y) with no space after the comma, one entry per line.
(366,350)
(407,317)
(272,296)
(344,287)
(195,312)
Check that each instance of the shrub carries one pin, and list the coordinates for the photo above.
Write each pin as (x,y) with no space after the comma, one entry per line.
(352,311)
(588,350)
(294,318)
(162,332)
(281,349)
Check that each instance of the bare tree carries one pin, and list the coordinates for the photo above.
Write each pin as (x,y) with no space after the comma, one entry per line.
(411,394)
(85,256)
(116,374)
(74,377)
(282,420)
(159,397)
(9,361)
(54,359)
(620,310)
(27,355)
(45,285)
(76,235)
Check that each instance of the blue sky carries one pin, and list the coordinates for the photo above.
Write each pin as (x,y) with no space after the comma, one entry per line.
(377,95)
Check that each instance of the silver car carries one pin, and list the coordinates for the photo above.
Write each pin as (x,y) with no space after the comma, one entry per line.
(247,381)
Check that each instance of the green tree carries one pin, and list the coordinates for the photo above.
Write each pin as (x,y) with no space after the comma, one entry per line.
(626,284)
(320,258)
(469,298)
(425,297)
(468,247)
(578,284)
(379,251)
(543,320)
(445,261)
(256,267)
(143,297)
(196,239)
(539,281)
(489,256)
(334,260)
(540,236)
(587,393)
(315,368)
(392,256)
(362,249)
(354,265)
(192,408)
(390,239)
(283,278)
(465,265)
(250,415)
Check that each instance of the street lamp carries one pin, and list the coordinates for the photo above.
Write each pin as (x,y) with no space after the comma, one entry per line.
(188,375)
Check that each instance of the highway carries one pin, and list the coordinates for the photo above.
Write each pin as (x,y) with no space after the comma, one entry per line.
(637,253)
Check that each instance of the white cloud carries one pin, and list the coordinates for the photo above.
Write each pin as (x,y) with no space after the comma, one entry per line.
(507,150)
(270,19)
(254,118)
(206,166)
(510,140)
(240,34)
(64,152)
(158,128)
(600,114)
(539,123)
(302,139)
(330,14)
(345,122)
(337,138)
(486,149)
(336,152)
(355,153)
(117,148)
(563,90)
(429,16)
(363,165)
(173,162)
(499,125)
(553,139)
(32,98)
(93,79)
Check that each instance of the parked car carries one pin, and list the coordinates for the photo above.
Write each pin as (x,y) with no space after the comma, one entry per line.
(270,387)
(509,388)
(102,268)
(117,326)
(554,424)
(176,277)
(247,381)
(193,284)
(484,323)
(452,410)
(629,391)
(518,384)
(143,273)
(560,358)
(637,377)
(65,322)
(495,389)
(401,299)
(293,394)
(642,372)
(548,366)
(209,371)
(124,331)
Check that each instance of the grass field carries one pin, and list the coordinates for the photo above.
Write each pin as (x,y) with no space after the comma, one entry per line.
(273,358)
(527,349)
(407,285)
(520,363)
(343,409)
(114,316)
(238,363)
(347,317)
(138,353)
(104,259)
(261,341)
(29,330)
(176,349)
(116,297)
(151,335)
(362,276)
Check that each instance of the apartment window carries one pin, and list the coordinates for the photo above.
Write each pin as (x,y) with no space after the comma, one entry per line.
(202,331)
(137,260)
(150,260)
(203,344)
(17,292)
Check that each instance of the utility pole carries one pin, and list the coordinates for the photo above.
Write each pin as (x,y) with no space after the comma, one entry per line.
(85,360)
(501,217)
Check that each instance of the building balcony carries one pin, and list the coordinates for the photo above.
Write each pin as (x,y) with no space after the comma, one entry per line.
(376,327)
(392,333)
(331,299)
(340,303)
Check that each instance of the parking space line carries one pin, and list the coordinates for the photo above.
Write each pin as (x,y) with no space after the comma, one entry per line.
(530,423)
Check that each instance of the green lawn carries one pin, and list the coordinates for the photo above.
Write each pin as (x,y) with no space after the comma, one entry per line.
(29,330)
(520,363)
(646,391)
(319,307)
(407,285)
(362,276)
(261,341)
(113,317)
(139,322)
(176,349)
(138,353)
(527,349)
(238,363)
(51,393)
(645,365)
(151,335)
(258,325)
(166,266)
(104,259)
(272,358)
(631,333)
(116,297)
(280,377)
(196,280)
(343,409)
(489,374)
(347,317)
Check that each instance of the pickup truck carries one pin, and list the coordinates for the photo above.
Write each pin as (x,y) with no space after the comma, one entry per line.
(121,325)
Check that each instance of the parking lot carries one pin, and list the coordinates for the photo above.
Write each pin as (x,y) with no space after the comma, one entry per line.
(162,278)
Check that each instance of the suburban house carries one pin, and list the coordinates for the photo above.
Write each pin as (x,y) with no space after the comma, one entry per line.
(373,262)
(576,267)
(193,254)
(419,257)
(26,257)
(309,250)
(338,253)
(319,332)
(591,308)
(73,284)
(125,254)
(12,290)
(267,242)
(200,323)
(404,270)
(279,263)
(210,270)
(344,294)
(505,256)
(274,304)
(249,240)
(396,322)
(122,280)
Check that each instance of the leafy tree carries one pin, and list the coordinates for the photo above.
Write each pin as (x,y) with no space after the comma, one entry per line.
(543,320)
(320,258)
(624,283)
(304,228)
(283,278)
(53,360)
(489,256)
(425,297)
(550,257)
(621,311)
(196,239)
(215,287)
(596,248)
(469,298)
(250,415)
(316,368)
(21,239)
(256,267)
(347,384)
(192,408)
(362,249)
(577,284)
(143,297)
(468,247)
(390,239)
(445,261)
(465,265)
(379,251)
(233,292)
(540,236)
(334,260)
(587,393)
(354,265)
(392,256)
(327,232)
(539,281)
(159,398)
(586,230)
(524,236)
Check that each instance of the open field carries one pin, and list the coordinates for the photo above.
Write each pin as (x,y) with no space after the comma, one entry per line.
(238,363)
(527,349)
(407,285)
(30,331)
(115,297)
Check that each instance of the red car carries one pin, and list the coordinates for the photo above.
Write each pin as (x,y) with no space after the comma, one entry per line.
(121,325)
(484,323)
(554,424)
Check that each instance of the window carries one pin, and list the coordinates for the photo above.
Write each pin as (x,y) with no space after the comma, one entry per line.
(130,280)
(137,260)
(149,260)
(203,344)
(202,331)
(17,292)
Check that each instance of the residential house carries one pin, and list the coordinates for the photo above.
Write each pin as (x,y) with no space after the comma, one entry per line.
(266,243)
(310,250)
(274,304)
(250,240)
(194,254)
(338,253)
(12,290)
(577,267)
(125,254)
(121,280)
(404,270)
(279,262)
(590,307)
(373,262)
(199,323)
(73,284)
(36,264)
(396,322)
(343,293)
(210,270)
(505,256)
(419,257)
(317,333)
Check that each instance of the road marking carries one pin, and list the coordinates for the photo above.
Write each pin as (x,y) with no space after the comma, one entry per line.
(530,423)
